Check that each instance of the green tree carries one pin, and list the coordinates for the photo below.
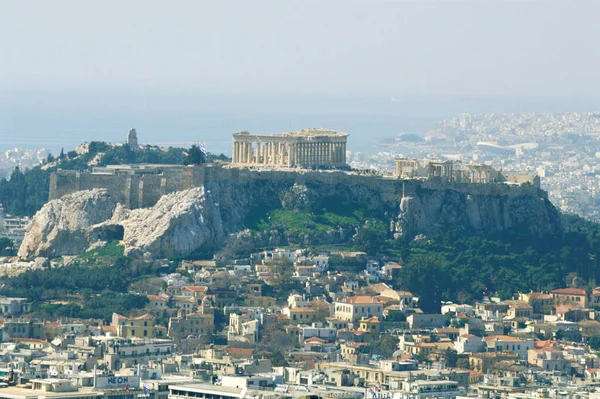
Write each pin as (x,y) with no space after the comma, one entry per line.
(6,247)
(371,237)
(594,342)
(195,156)
(451,357)
(385,346)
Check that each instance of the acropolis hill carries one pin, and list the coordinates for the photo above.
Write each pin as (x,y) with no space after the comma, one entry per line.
(302,172)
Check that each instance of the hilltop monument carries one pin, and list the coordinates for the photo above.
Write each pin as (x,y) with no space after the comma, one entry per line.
(132,140)
(304,148)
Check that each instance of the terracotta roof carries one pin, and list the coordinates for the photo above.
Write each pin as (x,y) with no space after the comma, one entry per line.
(156,298)
(543,343)
(539,295)
(475,373)
(393,265)
(569,291)
(566,308)
(318,302)
(239,351)
(384,299)
(592,371)
(361,299)
(314,340)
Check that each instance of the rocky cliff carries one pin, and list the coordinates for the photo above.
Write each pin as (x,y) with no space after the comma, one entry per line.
(204,218)
(64,226)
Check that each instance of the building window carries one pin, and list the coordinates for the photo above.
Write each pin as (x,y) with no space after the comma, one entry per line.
(145,333)
(132,332)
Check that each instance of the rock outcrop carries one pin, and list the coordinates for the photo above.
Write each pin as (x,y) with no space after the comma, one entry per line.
(64,226)
(178,225)
(205,218)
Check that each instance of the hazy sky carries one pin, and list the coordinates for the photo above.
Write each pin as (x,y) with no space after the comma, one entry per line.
(392,49)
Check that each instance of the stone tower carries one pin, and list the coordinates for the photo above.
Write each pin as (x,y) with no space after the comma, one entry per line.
(132,140)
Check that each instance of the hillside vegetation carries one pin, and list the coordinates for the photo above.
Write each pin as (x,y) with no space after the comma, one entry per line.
(462,268)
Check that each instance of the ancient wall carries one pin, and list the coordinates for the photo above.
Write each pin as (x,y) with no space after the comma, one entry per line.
(141,191)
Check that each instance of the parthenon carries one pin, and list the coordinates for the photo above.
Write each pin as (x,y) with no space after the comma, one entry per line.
(301,148)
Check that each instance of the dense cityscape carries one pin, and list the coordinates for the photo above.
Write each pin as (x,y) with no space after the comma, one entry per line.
(300,314)
(299,199)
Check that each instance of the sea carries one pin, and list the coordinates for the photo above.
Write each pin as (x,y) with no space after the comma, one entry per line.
(57,120)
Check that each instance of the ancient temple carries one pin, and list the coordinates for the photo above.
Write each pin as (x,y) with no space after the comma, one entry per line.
(301,148)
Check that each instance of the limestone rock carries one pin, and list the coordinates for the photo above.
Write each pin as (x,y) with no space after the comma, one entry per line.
(178,225)
(205,219)
(62,226)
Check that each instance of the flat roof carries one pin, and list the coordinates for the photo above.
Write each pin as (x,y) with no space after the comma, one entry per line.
(208,388)
(20,393)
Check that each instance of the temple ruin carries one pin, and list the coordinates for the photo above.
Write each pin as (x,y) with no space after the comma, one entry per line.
(305,148)
(454,172)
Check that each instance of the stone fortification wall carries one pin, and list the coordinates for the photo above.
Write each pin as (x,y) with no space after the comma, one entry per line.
(144,190)
(131,190)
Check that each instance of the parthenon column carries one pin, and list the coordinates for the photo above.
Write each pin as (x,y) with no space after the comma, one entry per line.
(322,153)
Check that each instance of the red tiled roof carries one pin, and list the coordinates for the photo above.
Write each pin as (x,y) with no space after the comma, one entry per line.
(239,351)
(569,291)
(361,299)
(316,340)
(393,265)
(566,308)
